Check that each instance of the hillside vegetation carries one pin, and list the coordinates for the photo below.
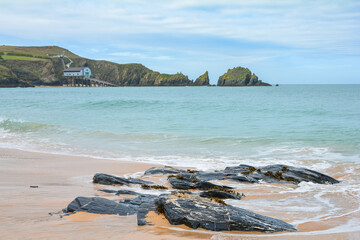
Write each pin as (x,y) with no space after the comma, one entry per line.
(36,66)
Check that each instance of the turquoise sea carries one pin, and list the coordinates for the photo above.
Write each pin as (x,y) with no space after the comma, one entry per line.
(191,126)
(313,126)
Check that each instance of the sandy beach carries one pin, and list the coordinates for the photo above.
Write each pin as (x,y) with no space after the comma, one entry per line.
(24,211)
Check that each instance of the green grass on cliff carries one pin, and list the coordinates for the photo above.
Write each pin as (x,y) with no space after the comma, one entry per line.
(9,57)
(238,73)
(38,51)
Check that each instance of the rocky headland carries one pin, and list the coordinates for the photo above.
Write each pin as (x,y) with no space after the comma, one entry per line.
(193,200)
(44,66)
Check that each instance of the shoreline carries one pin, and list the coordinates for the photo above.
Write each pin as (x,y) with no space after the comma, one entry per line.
(62,178)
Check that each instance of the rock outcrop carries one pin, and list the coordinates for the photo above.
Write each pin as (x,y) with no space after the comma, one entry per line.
(177,79)
(196,212)
(202,80)
(202,206)
(182,208)
(190,181)
(107,179)
(278,173)
(240,76)
(163,170)
(35,66)
(100,206)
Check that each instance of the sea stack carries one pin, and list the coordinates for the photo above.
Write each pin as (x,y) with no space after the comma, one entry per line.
(240,76)
(202,80)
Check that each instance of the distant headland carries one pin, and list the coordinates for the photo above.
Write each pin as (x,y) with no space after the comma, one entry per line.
(50,66)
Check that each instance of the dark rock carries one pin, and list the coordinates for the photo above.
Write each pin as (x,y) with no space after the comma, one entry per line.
(190,181)
(297,175)
(208,176)
(144,204)
(164,170)
(107,179)
(119,192)
(127,192)
(143,210)
(203,185)
(196,212)
(107,191)
(100,206)
(279,173)
(241,173)
(220,194)
(246,179)
(141,198)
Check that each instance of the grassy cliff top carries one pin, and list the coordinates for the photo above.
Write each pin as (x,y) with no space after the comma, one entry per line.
(238,73)
(38,51)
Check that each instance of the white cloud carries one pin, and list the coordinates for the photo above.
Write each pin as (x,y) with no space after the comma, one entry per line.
(324,25)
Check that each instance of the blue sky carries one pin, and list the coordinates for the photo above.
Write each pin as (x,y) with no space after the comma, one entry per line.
(315,41)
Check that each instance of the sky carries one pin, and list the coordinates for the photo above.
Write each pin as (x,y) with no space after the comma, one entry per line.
(284,42)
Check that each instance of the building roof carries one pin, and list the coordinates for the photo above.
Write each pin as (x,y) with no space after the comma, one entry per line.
(74,69)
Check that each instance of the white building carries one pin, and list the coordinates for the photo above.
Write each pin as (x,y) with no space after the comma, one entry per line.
(77,72)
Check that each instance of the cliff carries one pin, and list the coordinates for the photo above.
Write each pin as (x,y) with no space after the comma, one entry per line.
(9,79)
(240,76)
(202,80)
(34,66)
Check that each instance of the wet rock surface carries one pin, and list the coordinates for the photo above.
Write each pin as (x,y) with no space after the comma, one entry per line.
(164,170)
(202,206)
(195,212)
(277,173)
(190,181)
(220,194)
(100,205)
(107,179)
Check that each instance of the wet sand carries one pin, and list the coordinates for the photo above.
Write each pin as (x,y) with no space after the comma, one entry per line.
(60,178)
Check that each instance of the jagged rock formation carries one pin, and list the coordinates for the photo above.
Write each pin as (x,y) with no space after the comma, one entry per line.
(277,173)
(198,209)
(240,76)
(196,212)
(35,66)
(202,80)
(182,208)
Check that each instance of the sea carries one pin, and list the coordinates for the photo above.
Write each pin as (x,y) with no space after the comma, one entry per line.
(207,128)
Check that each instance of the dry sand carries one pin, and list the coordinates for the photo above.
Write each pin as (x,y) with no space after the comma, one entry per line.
(60,178)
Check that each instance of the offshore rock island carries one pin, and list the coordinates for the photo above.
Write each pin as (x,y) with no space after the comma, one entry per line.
(240,76)
(45,66)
